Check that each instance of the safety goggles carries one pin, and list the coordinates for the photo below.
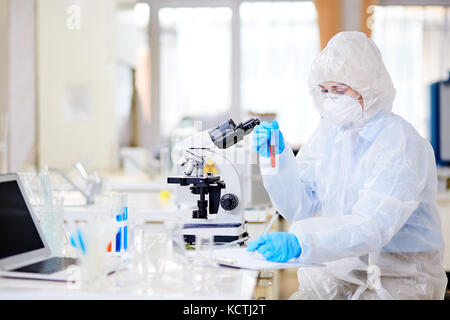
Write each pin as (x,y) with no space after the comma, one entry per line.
(339,89)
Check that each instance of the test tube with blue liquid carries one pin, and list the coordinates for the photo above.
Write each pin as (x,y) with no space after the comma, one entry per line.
(120,213)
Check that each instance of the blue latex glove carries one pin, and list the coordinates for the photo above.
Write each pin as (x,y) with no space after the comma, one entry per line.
(261,138)
(276,247)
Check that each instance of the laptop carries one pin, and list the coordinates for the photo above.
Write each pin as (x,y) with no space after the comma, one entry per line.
(24,252)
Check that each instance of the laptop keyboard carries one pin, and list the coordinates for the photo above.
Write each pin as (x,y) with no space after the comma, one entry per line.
(48,266)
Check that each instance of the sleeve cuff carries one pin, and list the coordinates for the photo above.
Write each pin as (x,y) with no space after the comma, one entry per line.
(305,255)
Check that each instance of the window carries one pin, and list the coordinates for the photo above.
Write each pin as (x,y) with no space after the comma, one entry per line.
(414,43)
(195,65)
(279,41)
(225,58)
(132,73)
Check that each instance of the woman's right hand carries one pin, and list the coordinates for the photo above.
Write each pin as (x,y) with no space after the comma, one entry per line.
(262,138)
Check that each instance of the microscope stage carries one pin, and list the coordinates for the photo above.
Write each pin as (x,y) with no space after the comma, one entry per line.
(222,231)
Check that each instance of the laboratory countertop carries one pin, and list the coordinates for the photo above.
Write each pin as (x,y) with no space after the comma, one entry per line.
(221,284)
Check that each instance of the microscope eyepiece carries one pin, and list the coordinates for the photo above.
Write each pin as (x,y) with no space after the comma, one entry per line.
(228,133)
(250,124)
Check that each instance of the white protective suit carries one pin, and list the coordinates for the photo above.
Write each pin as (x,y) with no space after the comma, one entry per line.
(361,199)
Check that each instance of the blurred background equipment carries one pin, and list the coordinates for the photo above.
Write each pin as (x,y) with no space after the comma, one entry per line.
(440,118)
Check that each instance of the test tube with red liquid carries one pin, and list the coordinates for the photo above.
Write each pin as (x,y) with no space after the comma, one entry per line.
(272,149)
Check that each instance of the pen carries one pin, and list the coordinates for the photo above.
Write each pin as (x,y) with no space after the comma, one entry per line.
(232,243)
(270,224)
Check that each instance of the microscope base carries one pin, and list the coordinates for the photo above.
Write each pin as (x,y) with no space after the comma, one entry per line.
(222,232)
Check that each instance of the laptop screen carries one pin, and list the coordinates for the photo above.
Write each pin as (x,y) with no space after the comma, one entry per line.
(18,233)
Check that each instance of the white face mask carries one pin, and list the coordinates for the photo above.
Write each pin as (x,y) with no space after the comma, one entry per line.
(341,109)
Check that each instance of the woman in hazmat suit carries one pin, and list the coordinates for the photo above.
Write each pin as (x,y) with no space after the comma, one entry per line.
(361,194)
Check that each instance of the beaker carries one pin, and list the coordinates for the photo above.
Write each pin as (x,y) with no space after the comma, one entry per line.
(52,222)
(91,239)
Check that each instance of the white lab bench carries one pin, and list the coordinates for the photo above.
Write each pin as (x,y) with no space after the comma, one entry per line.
(147,209)
(239,285)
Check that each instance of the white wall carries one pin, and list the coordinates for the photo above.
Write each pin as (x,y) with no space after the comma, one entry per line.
(22,111)
(17,81)
(4,55)
(76,81)
(351,15)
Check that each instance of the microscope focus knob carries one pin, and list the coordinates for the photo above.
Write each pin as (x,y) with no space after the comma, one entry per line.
(229,201)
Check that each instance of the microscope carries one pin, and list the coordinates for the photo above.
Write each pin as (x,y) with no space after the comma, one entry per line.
(219,213)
